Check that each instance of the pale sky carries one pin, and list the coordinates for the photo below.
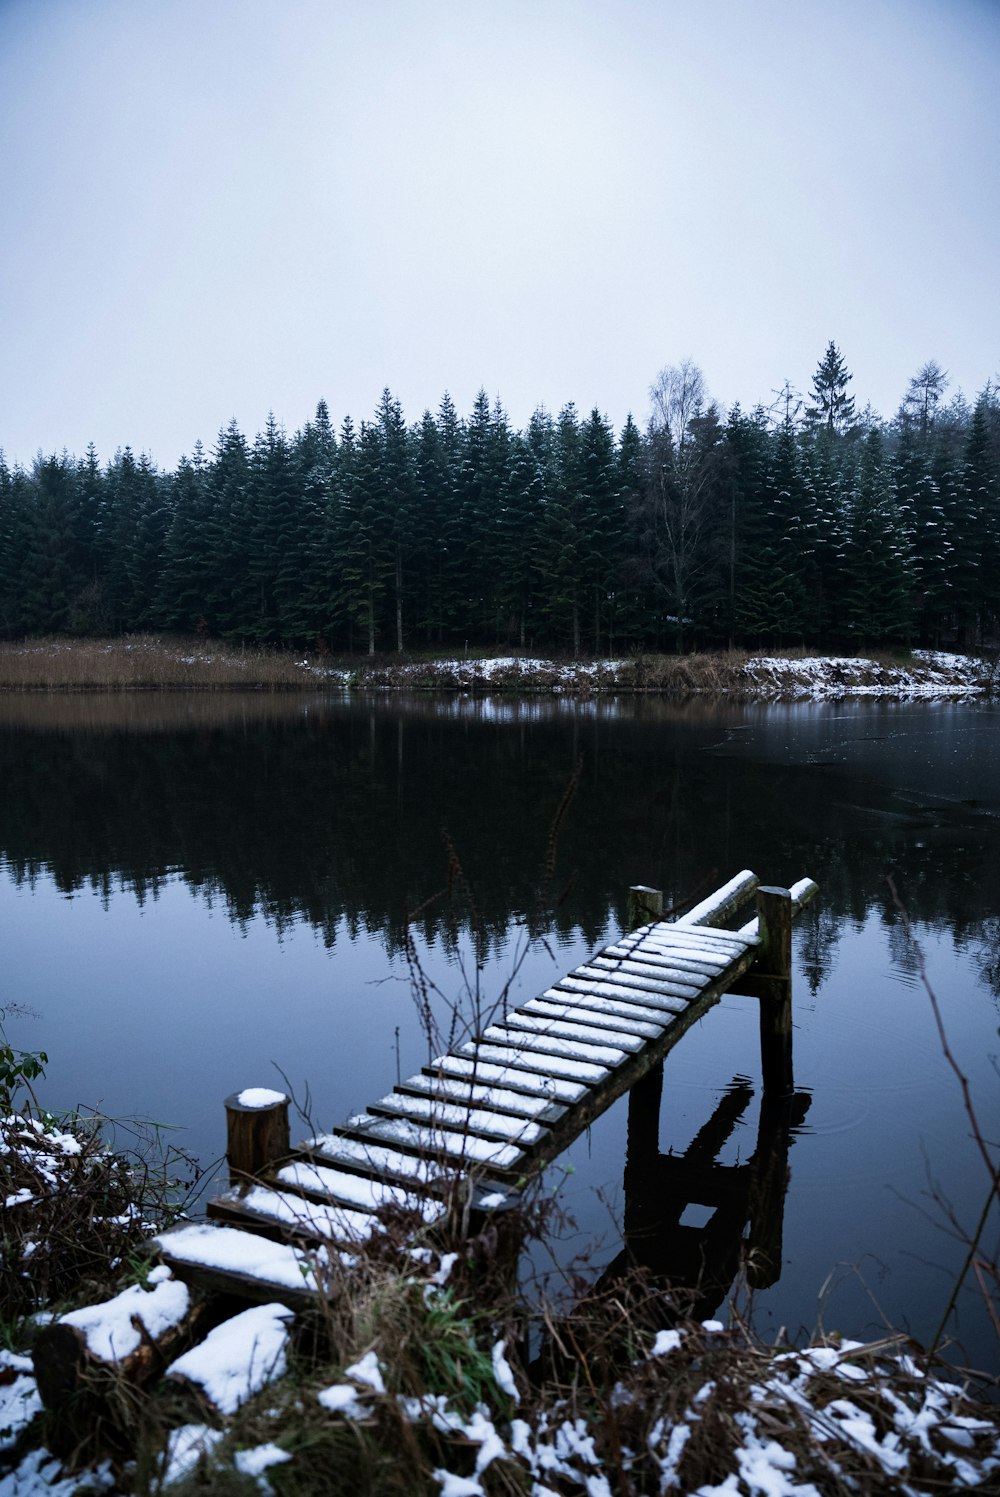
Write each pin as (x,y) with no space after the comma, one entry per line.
(216,208)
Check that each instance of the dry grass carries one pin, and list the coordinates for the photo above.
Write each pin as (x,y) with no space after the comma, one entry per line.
(145,662)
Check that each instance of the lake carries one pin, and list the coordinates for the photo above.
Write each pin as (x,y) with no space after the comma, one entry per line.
(197,890)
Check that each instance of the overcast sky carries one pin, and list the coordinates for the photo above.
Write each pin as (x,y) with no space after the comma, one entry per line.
(224,207)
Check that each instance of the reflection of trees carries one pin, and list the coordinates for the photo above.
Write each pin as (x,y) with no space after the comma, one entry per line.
(329,810)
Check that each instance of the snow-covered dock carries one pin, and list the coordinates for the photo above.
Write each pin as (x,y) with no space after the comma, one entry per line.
(470,1127)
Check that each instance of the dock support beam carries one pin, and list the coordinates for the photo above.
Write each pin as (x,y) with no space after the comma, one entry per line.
(257,1133)
(774,988)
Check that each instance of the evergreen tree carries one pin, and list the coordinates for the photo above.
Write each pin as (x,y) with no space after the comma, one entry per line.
(187,577)
(230,598)
(878,570)
(832,409)
(982,472)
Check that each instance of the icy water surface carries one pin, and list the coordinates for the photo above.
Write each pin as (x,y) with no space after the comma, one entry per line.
(194,890)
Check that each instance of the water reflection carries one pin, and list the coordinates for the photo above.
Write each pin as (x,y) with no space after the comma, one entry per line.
(331,810)
(692,1221)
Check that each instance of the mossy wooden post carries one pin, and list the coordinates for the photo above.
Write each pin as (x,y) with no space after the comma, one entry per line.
(257,1134)
(774,984)
(644,905)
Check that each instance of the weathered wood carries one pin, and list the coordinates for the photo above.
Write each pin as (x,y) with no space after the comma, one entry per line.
(225,1260)
(67,1366)
(724,902)
(257,1135)
(802,891)
(774,981)
(644,905)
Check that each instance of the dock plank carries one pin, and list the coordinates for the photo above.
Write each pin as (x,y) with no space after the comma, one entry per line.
(499,1098)
(609,1016)
(473,1063)
(480,1120)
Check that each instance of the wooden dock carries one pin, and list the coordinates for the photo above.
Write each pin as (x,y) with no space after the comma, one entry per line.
(467,1131)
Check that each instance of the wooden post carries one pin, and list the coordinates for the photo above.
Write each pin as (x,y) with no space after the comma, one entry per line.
(256,1132)
(644,904)
(774,983)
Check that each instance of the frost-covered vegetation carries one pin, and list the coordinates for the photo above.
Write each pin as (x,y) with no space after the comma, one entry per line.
(805,523)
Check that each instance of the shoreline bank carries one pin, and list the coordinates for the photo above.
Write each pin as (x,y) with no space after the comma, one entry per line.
(156,663)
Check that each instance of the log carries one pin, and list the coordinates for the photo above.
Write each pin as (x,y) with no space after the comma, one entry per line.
(257,1136)
(130,1338)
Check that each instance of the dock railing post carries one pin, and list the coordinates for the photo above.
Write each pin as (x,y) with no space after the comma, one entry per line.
(644,905)
(774,980)
(257,1134)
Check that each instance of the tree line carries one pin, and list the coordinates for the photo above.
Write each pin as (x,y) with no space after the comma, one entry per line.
(802,522)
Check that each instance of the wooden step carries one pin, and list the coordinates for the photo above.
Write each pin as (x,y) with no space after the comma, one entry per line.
(372,1159)
(285,1214)
(482,1121)
(525,1057)
(470,1065)
(368,1193)
(498,1098)
(567,1049)
(229,1260)
(601,1015)
(467,1149)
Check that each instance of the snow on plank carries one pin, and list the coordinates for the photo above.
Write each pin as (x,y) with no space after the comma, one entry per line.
(374,1160)
(282,1208)
(699,961)
(551,1025)
(724,901)
(571,1049)
(357,1190)
(698,939)
(680,965)
(639,975)
(533,1083)
(469,1094)
(428,1141)
(452,1115)
(527,1058)
(604,1017)
(603,987)
(239,1358)
(260,1267)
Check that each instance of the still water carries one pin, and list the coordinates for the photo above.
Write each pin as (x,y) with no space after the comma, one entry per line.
(195,891)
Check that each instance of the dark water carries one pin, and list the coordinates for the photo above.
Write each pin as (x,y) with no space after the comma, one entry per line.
(196,889)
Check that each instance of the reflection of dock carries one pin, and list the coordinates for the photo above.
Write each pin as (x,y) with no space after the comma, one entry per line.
(473,1125)
(660,1189)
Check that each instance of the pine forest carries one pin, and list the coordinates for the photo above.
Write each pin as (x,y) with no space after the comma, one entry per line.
(803,522)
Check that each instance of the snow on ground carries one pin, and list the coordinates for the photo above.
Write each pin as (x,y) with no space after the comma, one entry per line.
(239,1357)
(932,673)
(929,673)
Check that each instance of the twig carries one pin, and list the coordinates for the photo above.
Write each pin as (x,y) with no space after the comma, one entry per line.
(970,1112)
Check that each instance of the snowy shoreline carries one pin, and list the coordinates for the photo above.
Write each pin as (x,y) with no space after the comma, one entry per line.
(929,673)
